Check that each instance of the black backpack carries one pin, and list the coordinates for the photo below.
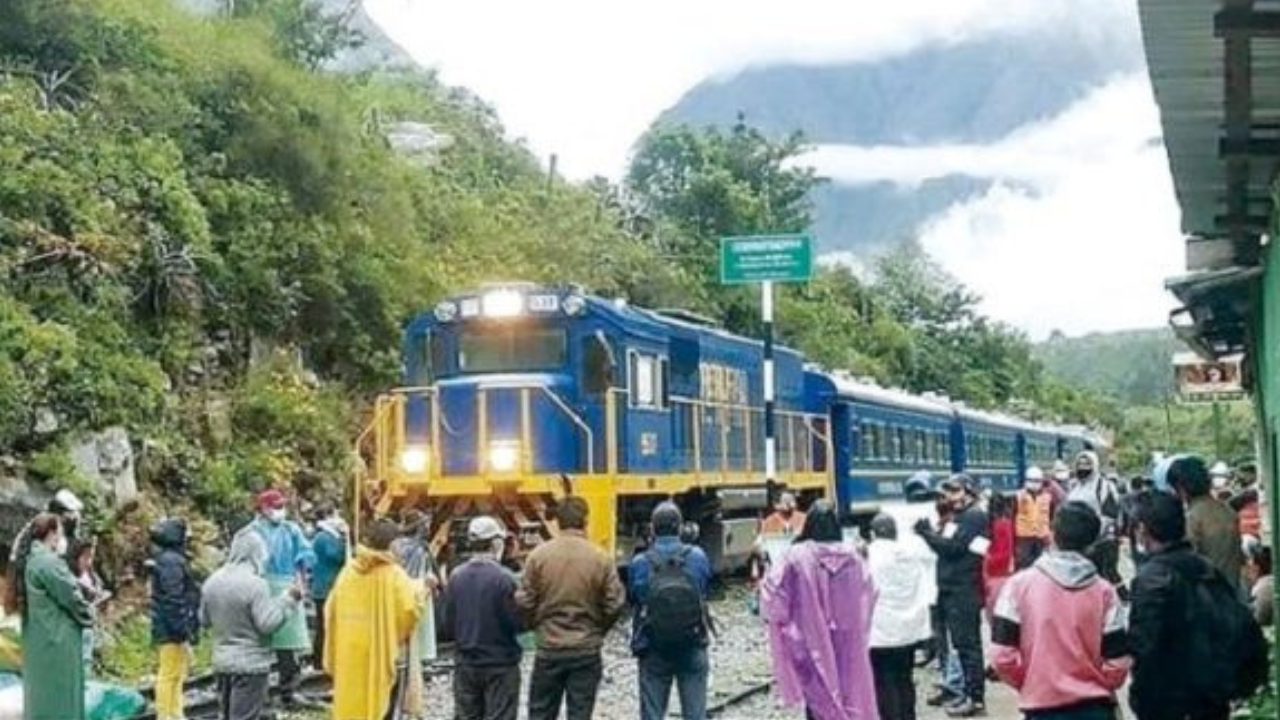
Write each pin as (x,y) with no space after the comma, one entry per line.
(1229,654)
(675,616)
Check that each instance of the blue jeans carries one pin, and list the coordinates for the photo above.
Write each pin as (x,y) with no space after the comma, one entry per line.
(689,670)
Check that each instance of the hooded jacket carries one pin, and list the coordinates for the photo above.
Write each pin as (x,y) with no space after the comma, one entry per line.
(1098,493)
(961,547)
(905,576)
(1059,635)
(819,605)
(371,612)
(175,593)
(237,606)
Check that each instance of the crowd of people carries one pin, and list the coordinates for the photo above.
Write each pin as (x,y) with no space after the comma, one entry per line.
(847,620)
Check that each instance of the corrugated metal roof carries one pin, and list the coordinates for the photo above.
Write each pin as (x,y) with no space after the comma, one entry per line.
(1186,62)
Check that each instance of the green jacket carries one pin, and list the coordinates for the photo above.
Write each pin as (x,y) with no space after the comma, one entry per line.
(55,616)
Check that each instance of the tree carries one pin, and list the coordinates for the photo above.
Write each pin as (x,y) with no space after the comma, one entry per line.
(695,186)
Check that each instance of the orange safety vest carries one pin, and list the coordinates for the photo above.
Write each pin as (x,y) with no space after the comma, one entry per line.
(1033,514)
(776,524)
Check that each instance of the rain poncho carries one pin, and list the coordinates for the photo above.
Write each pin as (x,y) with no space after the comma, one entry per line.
(371,612)
(56,614)
(818,604)
(288,553)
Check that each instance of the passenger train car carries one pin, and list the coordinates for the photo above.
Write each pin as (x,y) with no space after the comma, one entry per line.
(516,395)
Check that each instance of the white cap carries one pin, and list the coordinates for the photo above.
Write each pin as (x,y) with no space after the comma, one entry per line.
(483,527)
(1219,469)
(1035,474)
(68,500)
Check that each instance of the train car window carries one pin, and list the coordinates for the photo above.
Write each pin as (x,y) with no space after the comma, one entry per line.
(505,349)
(899,446)
(922,449)
(664,383)
(597,365)
(685,374)
(646,380)
(424,349)
(864,442)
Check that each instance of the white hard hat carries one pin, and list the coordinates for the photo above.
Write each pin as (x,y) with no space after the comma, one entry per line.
(1219,469)
(1035,474)
(483,527)
(68,500)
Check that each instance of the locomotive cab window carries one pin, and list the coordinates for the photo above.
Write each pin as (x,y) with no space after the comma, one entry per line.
(647,389)
(597,365)
(428,359)
(509,349)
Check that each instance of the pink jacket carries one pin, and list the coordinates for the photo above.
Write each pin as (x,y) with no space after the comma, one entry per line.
(1059,634)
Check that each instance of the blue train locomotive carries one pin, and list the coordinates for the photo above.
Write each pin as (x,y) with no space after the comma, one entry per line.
(518,394)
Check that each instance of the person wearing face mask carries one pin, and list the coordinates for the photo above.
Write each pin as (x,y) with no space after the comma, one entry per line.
(786,518)
(961,545)
(1094,489)
(481,614)
(290,560)
(68,508)
(54,619)
(237,606)
(1031,524)
(175,605)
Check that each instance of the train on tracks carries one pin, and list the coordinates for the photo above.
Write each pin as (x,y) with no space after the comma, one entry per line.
(518,394)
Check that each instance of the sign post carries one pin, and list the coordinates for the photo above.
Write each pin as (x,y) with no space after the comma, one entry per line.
(767,259)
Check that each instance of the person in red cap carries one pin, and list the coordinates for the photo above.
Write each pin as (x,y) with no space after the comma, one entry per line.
(289,563)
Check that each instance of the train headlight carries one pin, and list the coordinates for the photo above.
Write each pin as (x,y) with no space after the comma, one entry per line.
(504,455)
(414,459)
(574,305)
(502,304)
(446,311)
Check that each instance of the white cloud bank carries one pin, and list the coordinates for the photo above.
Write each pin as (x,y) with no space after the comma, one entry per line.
(584,78)
(1081,227)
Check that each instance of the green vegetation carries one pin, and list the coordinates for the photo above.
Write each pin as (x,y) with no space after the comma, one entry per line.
(1135,366)
(212,243)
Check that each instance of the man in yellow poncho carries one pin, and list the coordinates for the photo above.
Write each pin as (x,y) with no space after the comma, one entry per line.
(370,615)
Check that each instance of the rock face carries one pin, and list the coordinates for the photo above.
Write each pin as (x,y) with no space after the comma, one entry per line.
(106,459)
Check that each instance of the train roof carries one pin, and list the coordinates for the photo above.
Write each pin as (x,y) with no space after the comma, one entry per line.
(997,419)
(861,389)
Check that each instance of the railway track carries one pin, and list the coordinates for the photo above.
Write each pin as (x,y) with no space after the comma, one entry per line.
(719,707)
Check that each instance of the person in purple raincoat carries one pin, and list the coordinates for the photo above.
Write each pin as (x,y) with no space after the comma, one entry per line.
(818,604)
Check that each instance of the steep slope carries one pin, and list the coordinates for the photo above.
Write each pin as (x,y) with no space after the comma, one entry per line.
(974,93)
(1133,366)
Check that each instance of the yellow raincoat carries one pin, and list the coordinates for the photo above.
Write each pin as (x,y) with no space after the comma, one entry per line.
(370,614)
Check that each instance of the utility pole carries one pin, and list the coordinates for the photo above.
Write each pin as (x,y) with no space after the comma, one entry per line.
(770,437)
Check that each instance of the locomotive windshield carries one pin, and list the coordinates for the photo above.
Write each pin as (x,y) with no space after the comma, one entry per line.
(511,348)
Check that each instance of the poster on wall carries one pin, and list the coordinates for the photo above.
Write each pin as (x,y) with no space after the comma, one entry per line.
(1200,380)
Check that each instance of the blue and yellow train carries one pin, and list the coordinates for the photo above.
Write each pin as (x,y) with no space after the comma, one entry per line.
(518,394)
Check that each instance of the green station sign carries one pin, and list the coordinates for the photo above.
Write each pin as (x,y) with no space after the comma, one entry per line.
(766,258)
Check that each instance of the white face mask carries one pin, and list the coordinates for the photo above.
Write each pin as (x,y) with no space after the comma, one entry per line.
(59,545)
(277,515)
(499,549)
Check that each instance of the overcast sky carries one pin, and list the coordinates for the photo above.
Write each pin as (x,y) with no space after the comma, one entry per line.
(1078,233)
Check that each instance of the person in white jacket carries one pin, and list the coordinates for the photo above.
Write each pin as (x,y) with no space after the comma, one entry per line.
(903,570)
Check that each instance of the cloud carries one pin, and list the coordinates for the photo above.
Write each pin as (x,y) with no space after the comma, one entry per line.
(583,78)
(1117,119)
(1080,228)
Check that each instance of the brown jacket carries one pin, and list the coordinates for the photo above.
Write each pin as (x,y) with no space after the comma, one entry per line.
(1214,532)
(570,593)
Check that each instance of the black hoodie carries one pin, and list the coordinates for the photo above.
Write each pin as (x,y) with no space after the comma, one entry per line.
(175,593)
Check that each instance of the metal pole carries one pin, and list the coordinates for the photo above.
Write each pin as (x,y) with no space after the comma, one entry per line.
(1217,429)
(770,446)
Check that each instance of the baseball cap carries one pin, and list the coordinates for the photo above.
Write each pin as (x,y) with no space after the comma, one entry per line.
(483,527)
(271,500)
(1035,474)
